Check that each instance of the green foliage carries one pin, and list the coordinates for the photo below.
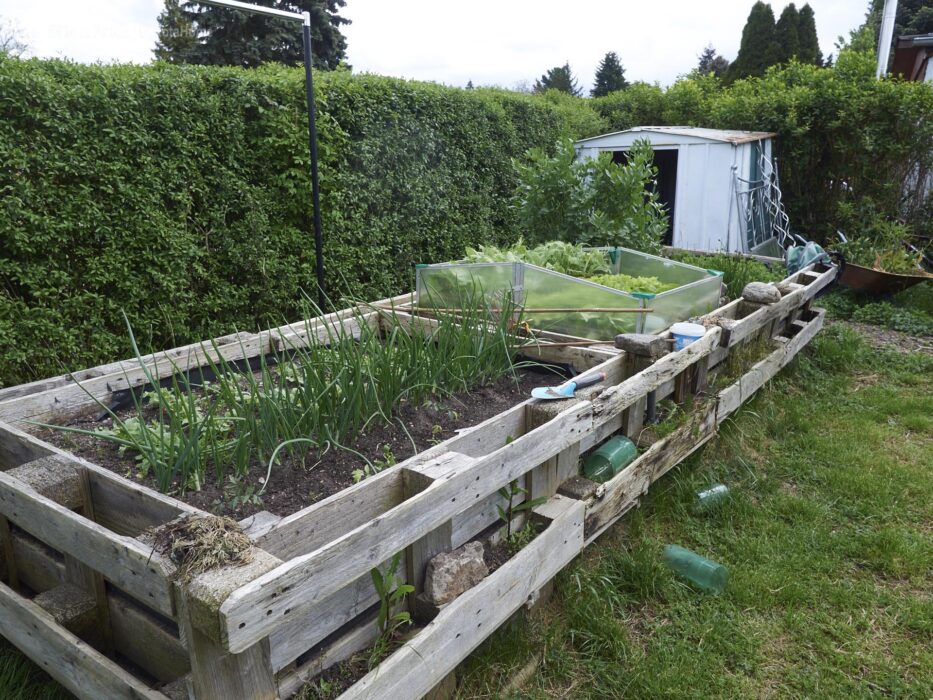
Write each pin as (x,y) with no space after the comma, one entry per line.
(737,270)
(181,195)
(391,590)
(878,243)
(711,63)
(559,78)
(610,76)
(842,136)
(508,512)
(321,396)
(193,32)
(787,32)
(594,202)
(809,51)
(759,47)
(910,312)
(561,257)
(628,283)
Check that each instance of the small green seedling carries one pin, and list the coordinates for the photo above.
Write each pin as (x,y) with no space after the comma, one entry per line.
(391,589)
(509,512)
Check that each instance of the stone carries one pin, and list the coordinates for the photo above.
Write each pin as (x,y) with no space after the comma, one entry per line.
(786,288)
(642,345)
(450,574)
(761,293)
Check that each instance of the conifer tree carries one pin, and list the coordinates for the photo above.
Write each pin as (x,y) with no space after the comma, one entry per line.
(809,44)
(559,78)
(610,76)
(230,37)
(759,48)
(711,63)
(787,32)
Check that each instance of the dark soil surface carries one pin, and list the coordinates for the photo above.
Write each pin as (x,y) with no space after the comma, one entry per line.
(298,483)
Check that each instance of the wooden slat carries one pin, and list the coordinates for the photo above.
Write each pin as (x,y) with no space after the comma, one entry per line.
(423,662)
(743,328)
(621,493)
(732,397)
(123,560)
(253,611)
(120,505)
(74,664)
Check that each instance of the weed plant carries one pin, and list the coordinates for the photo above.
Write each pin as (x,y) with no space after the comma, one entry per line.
(306,399)
(737,271)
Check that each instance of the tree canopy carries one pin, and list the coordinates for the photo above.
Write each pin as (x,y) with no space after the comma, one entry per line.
(759,47)
(809,51)
(559,78)
(711,63)
(191,32)
(610,76)
(787,33)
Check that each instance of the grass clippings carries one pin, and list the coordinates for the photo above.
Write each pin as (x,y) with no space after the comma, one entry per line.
(202,543)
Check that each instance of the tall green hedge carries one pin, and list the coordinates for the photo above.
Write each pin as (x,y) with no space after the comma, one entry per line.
(180,195)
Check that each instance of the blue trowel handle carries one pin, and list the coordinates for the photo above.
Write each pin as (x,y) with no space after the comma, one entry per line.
(589,381)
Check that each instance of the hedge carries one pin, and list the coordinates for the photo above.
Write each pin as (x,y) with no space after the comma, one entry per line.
(180,196)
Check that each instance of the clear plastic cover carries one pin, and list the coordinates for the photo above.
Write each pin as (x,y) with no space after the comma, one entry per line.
(445,285)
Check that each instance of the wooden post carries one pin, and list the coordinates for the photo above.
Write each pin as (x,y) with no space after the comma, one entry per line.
(6,539)
(422,551)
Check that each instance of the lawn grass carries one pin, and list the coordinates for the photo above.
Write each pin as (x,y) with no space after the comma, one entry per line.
(828,537)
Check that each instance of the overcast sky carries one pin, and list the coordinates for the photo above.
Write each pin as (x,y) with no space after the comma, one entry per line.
(500,42)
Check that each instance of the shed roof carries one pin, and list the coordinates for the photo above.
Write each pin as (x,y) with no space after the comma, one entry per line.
(723,135)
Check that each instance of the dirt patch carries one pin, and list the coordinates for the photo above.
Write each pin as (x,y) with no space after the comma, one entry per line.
(887,339)
(298,482)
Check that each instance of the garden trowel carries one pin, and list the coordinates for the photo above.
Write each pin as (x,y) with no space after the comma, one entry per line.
(565,390)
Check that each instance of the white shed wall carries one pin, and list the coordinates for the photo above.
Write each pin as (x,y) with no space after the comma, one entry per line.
(706,214)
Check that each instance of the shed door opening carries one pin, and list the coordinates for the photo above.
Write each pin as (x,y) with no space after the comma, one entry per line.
(665,183)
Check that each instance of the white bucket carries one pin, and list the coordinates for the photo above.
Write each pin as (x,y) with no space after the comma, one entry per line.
(686,333)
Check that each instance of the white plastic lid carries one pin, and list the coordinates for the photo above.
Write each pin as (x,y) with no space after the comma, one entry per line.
(691,330)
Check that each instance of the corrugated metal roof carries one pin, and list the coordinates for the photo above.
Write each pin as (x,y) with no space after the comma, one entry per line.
(723,135)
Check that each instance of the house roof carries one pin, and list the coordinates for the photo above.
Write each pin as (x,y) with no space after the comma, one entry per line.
(723,135)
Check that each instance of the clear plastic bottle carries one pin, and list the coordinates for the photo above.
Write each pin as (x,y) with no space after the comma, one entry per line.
(704,573)
(711,498)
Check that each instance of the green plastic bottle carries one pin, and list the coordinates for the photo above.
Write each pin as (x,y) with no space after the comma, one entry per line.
(611,458)
(705,574)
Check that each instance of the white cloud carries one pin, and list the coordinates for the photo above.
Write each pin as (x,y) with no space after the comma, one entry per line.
(488,42)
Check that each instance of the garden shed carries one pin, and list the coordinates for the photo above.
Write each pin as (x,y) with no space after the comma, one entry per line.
(720,187)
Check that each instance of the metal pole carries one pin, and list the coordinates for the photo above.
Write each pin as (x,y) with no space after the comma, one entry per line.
(885,35)
(312,147)
(305,18)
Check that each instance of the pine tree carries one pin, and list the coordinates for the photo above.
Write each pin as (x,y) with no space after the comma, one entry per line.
(234,38)
(809,44)
(759,48)
(610,76)
(787,32)
(177,37)
(559,78)
(711,63)
(469,85)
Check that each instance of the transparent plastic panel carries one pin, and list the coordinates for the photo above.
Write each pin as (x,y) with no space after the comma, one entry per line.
(682,304)
(445,286)
(544,289)
(637,264)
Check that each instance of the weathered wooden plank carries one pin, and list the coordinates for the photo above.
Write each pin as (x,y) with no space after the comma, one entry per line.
(74,664)
(336,515)
(617,398)
(424,661)
(123,560)
(732,397)
(146,640)
(621,493)
(743,328)
(252,612)
(120,505)
(79,397)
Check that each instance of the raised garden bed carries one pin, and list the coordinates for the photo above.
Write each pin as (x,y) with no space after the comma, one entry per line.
(302,602)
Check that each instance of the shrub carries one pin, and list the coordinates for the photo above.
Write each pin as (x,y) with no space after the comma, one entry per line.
(593,202)
(180,194)
(737,271)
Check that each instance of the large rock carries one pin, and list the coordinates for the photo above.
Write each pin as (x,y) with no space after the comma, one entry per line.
(451,573)
(761,293)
